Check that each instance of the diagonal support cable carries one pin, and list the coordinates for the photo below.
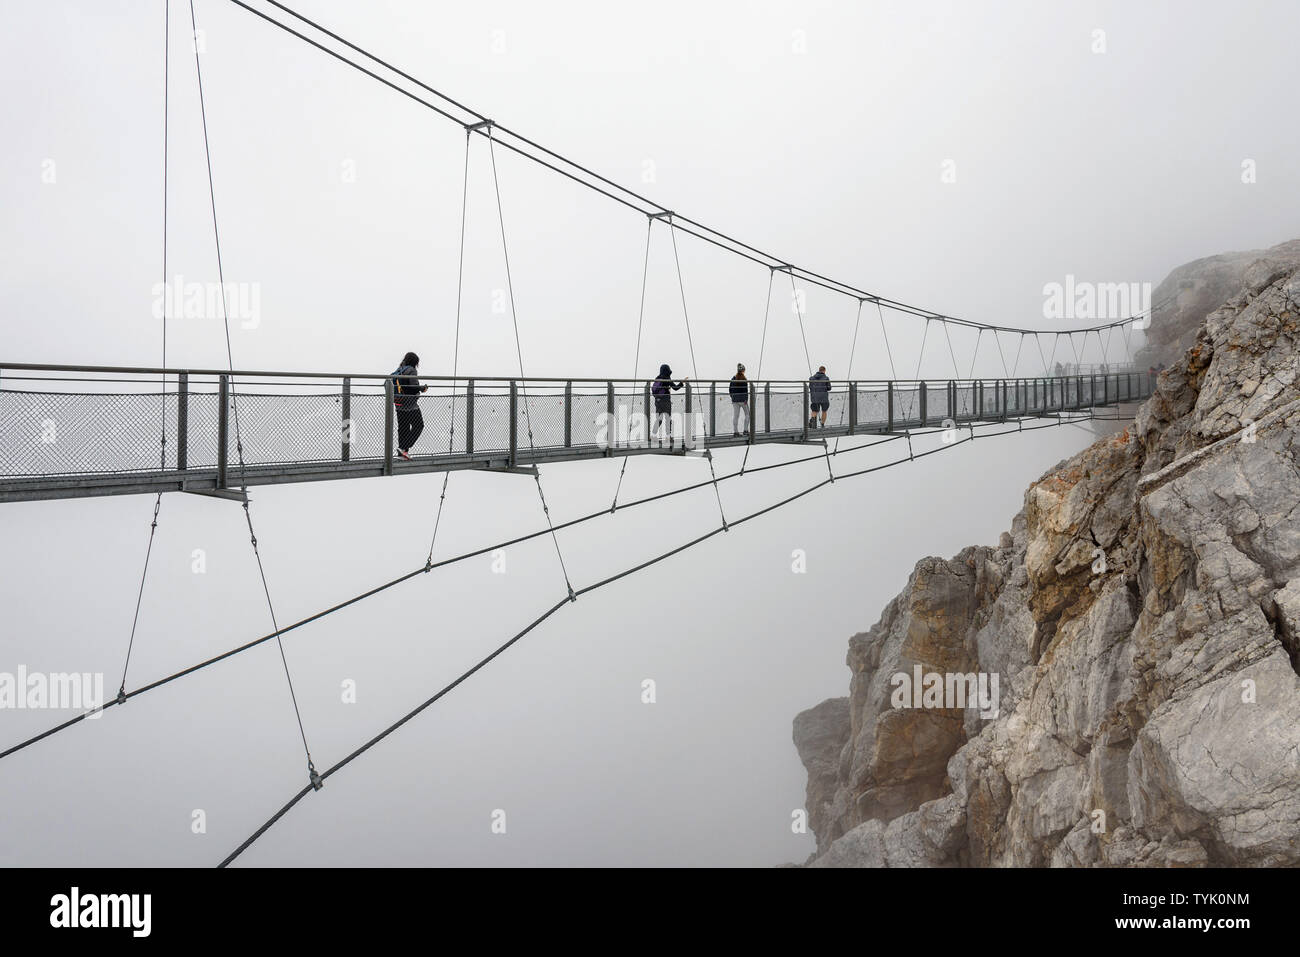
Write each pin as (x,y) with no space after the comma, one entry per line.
(636,360)
(519,352)
(234,406)
(455,355)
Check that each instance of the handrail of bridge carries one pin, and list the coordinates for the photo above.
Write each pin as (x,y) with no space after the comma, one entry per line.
(62,435)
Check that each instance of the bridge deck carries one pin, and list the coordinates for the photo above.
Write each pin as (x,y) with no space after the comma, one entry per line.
(68,432)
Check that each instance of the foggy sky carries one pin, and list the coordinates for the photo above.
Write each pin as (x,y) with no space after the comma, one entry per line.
(816,131)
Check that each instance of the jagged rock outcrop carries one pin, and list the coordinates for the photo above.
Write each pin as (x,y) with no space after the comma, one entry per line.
(1142,616)
(1189,293)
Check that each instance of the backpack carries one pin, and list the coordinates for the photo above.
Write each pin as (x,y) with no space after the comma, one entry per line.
(659,388)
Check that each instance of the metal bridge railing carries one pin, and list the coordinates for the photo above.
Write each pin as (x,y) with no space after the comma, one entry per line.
(69,421)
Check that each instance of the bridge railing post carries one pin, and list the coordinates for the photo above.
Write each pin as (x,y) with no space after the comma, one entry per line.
(807,405)
(223,439)
(345,452)
(923,410)
(979,399)
(889,406)
(182,421)
(649,422)
(469,416)
(713,409)
(750,427)
(388,425)
(767,407)
(611,436)
(568,415)
(1003,383)
(853,407)
(952,401)
(514,422)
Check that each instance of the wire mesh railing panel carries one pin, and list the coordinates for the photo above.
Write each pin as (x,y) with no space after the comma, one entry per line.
(592,424)
(57,433)
(540,413)
(873,407)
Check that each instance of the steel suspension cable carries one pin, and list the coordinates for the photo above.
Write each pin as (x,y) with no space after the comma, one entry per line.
(234,406)
(455,355)
(758,376)
(636,360)
(519,351)
(686,316)
(157,505)
(853,351)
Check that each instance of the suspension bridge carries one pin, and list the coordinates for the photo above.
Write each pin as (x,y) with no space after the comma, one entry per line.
(69,431)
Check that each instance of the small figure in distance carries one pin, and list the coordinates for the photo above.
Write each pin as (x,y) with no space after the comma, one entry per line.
(739,390)
(662,389)
(406,398)
(819,396)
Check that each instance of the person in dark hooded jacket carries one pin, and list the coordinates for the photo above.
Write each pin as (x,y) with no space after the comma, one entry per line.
(662,389)
(406,398)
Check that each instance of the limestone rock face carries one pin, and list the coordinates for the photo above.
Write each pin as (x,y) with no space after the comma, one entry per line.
(1192,291)
(1142,616)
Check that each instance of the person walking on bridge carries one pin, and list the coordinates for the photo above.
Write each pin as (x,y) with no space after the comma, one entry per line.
(406,398)
(739,390)
(662,389)
(819,396)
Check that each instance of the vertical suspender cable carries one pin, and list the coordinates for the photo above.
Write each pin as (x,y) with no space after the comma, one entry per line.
(686,316)
(636,359)
(853,350)
(455,354)
(762,347)
(519,351)
(153,526)
(234,407)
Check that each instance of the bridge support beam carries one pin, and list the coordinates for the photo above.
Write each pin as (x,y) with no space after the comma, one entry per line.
(568,415)
(388,426)
(223,438)
(514,423)
(346,453)
(182,421)
(469,416)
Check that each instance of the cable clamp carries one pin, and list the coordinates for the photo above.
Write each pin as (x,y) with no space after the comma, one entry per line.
(572,596)
(316,782)
(481,125)
(662,214)
(121,695)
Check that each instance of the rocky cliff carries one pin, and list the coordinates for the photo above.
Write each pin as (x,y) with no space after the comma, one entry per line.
(1142,620)
(1189,293)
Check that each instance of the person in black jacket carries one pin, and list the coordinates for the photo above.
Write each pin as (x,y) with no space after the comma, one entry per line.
(739,390)
(406,397)
(819,396)
(662,390)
